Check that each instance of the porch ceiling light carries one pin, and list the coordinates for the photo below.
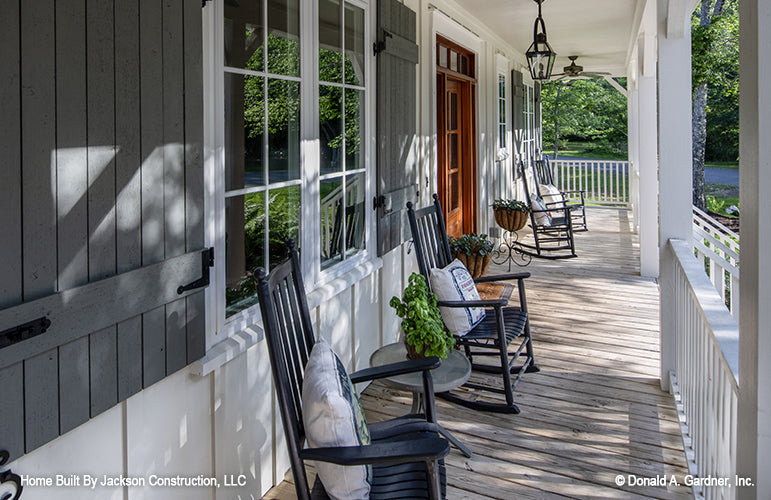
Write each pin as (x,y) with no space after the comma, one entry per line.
(540,56)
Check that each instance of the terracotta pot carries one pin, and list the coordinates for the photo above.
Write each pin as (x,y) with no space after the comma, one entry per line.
(476,264)
(510,220)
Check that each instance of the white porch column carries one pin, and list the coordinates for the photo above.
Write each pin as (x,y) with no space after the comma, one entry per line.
(633,153)
(675,158)
(648,152)
(754,426)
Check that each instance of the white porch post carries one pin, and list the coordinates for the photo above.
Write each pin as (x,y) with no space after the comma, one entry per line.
(648,145)
(633,122)
(675,158)
(754,426)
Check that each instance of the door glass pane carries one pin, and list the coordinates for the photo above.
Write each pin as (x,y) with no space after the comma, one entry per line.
(454,190)
(354,129)
(244,111)
(330,41)
(354,45)
(453,152)
(452,122)
(331,128)
(354,226)
(244,248)
(283,130)
(453,60)
(284,37)
(283,221)
(331,197)
(442,56)
(244,35)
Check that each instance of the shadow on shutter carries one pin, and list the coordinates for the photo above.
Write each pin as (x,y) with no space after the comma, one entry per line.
(517,114)
(397,173)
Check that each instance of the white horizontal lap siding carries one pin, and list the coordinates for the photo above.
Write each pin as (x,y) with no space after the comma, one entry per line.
(102,206)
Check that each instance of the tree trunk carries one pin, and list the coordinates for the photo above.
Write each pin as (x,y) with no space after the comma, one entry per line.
(699,127)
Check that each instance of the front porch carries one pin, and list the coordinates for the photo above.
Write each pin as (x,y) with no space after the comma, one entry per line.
(595,411)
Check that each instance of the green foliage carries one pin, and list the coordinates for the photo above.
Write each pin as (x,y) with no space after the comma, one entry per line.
(517,205)
(421,320)
(718,204)
(588,110)
(471,244)
(715,61)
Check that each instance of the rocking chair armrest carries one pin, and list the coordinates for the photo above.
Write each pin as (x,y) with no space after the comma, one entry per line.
(472,303)
(502,277)
(394,369)
(384,452)
(581,191)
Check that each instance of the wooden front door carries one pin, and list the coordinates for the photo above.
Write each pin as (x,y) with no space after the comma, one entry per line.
(456,134)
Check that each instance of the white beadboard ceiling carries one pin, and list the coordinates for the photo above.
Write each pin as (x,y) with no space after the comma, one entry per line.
(598,31)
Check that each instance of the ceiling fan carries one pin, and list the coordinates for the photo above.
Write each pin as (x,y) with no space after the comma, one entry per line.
(573,70)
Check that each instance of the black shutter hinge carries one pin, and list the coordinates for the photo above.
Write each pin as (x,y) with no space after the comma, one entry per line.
(8,477)
(207,261)
(23,332)
(380,45)
(382,202)
(203,3)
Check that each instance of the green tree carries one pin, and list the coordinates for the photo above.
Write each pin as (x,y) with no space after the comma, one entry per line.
(715,77)
(585,110)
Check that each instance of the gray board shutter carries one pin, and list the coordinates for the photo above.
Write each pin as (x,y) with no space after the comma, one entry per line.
(101,208)
(397,173)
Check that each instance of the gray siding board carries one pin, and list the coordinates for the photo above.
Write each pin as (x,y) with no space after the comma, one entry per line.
(73,384)
(12,410)
(128,159)
(129,357)
(176,336)
(151,110)
(196,327)
(38,140)
(10,152)
(101,139)
(153,346)
(104,370)
(41,399)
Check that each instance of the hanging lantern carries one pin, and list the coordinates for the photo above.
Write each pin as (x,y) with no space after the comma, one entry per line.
(540,56)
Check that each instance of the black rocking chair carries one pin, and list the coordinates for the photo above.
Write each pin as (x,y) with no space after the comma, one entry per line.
(573,199)
(552,226)
(502,325)
(406,453)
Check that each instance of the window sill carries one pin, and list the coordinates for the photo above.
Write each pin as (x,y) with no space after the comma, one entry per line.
(238,343)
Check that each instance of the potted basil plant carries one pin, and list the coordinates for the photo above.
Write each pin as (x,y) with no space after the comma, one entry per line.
(424,332)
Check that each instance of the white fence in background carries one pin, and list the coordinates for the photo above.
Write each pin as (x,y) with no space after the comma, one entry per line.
(328,207)
(717,248)
(706,376)
(603,182)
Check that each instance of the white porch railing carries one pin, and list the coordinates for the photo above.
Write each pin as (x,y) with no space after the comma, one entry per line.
(717,248)
(328,207)
(604,182)
(706,375)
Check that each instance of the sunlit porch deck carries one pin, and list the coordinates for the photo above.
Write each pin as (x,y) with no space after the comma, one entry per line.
(595,411)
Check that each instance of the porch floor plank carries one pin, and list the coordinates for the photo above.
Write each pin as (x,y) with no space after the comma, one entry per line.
(595,411)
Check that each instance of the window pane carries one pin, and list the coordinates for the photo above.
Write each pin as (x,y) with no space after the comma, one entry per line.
(283,221)
(453,60)
(283,130)
(330,41)
(244,34)
(354,214)
(284,37)
(244,248)
(354,129)
(331,128)
(244,111)
(442,56)
(331,197)
(354,45)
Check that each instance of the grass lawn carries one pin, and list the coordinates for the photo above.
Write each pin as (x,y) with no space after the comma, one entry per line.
(731,165)
(584,150)
(720,196)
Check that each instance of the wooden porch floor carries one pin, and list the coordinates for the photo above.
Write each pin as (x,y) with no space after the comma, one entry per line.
(595,411)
